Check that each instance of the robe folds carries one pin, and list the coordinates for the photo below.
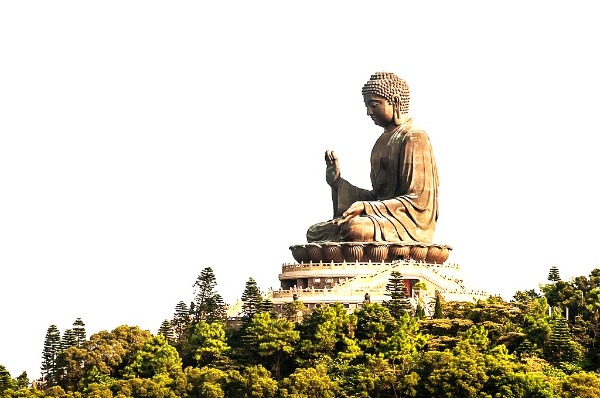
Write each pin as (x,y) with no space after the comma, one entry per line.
(403,204)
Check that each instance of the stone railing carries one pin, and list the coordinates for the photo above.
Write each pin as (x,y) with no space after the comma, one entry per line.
(356,266)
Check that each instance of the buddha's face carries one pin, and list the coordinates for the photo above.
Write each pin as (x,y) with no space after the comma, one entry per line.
(379,109)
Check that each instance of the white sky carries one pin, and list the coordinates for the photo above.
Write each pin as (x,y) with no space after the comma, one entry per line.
(142,141)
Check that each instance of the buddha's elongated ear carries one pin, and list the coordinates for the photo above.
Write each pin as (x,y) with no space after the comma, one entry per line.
(397,111)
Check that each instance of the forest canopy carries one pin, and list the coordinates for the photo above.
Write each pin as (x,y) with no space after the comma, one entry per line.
(541,343)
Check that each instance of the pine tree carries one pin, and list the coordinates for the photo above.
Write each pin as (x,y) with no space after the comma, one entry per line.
(181,320)
(216,310)
(166,330)
(560,345)
(6,382)
(69,339)
(437,311)
(419,311)
(267,306)
(554,275)
(49,356)
(396,289)
(79,329)
(251,299)
(22,380)
(204,290)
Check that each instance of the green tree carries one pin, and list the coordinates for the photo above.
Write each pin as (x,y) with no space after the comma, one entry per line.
(526,296)
(69,339)
(501,319)
(110,352)
(251,299)
(259,383)
(209,343)
(582,385)
(157,360)
(181,320)
(399,302)
(419,311)
(208,304)
(266,305)
(553,275)
(311,382)
(536,324)
(52,346)
(141,388)
(216,309)
(6,382)
(166,330)
(402,351)
(206,382)
(437,309)
(254,382)
(182,326)
(374,325)
(327,333)
(373,377)
(457,373)
(22,380)
(294,311)
(79,329)
(560,347)
(405,341)
(271,339)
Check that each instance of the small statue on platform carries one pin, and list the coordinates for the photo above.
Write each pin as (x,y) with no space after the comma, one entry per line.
(403,204)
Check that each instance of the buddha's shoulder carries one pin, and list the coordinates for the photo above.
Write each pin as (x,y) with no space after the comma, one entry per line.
(413,134)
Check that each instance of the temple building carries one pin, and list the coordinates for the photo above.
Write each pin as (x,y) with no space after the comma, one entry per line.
(352,273)
(362,272)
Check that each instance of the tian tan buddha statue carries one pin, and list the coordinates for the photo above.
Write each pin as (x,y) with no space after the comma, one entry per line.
(402,205)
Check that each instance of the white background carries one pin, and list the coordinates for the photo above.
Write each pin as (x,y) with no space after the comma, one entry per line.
(142,141)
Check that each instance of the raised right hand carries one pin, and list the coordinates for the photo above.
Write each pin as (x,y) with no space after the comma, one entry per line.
(332,172)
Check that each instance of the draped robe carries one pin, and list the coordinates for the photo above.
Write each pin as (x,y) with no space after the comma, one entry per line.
(403,204)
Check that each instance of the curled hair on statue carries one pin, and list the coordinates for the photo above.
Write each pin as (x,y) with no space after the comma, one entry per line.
(388,85)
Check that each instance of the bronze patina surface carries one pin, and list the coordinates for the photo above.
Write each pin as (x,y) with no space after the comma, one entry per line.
(350,252)
(402,205)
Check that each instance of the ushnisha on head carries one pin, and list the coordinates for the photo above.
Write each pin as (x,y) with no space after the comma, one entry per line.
(390,87)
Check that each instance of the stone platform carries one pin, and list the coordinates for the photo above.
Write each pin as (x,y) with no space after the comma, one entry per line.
(339,252)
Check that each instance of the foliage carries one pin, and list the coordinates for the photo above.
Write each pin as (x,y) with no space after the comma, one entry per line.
(399,301)
(52,346)
(327,333)
(375,324)
(309,383)
(181,320)
(166,330)
(251,299)
(294,310)
(254,382)
(271,339)
(554,275)
(6,382)
(209,343)
(208,304)
(438,313)
(527,347)
(156,359)
(206,382)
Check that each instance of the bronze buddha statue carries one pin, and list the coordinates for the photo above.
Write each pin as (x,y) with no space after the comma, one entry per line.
(402,205)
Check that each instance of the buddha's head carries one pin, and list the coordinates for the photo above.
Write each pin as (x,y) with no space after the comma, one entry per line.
(387,98)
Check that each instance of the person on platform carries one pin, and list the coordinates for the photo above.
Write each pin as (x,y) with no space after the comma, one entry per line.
(403,202)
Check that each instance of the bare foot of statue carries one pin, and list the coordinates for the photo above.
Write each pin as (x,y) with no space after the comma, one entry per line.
(332,172)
